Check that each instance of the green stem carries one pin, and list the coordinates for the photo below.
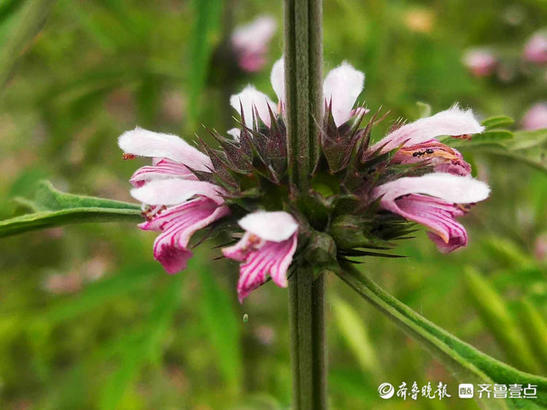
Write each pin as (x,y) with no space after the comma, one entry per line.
(303,98)
(308,352)
(303,91)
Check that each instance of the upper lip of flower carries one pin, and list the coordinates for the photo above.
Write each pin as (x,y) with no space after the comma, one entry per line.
(146,143)
(341,88)
(454,122)
(451,188)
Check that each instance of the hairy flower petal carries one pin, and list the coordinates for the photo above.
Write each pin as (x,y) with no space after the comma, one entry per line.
(267,247)
(454,122)
(436,154)
(270,226)
(341,88)
(175,191)
(146,143)
(277,78)
(163,169)
(451,188)
(178,224)
(251,42)
(250,98)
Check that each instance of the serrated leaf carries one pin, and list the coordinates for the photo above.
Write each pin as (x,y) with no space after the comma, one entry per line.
(468,364)
(54,208)
(498,121)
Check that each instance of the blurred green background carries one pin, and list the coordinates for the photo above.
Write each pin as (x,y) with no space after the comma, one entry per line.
(88,319)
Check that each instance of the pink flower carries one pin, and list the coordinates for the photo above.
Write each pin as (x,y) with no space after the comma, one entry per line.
(480,61)
(250,42)
(434,200)
(417,141)
(535,49)
(536,117)
(175,202)
(267,247)
(341,88)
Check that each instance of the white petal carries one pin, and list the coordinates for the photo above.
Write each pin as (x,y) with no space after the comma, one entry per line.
(249,98)
(277,79)
(270,226)
(451,188)
(175,191)
(453,121)
(341,88)
(146,143)
(235,133)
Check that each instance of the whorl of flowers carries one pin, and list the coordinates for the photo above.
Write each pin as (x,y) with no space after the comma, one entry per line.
(363,195)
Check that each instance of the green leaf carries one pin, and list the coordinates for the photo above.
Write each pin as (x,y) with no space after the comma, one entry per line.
(355,335)
(538,164)
(29,21)
(467,363)
(498,121)
(495,315)
(206,24)
(53,208)
(220,319)
(528,139)
(490,138)
(535,329)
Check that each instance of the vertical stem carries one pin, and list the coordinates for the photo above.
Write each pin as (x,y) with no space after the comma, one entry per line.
(308,347)
(304,106)
(303,61)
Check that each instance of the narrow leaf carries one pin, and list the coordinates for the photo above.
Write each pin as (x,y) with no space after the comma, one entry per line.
(29,22)
(206,23)
(55,208)
(496,317)
(498,121)
(355,334)
(467,363)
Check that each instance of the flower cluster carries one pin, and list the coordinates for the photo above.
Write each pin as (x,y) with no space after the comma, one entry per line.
(363,195)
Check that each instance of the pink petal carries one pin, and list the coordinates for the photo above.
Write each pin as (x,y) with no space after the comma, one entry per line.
(241,250)
(163,169)
(272,258)
(536,117)
(535,49)
(175,191)
(178,224)
(434,213)
(436,154)
(453,122)
(254,36)
(341,88)
(146,143)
